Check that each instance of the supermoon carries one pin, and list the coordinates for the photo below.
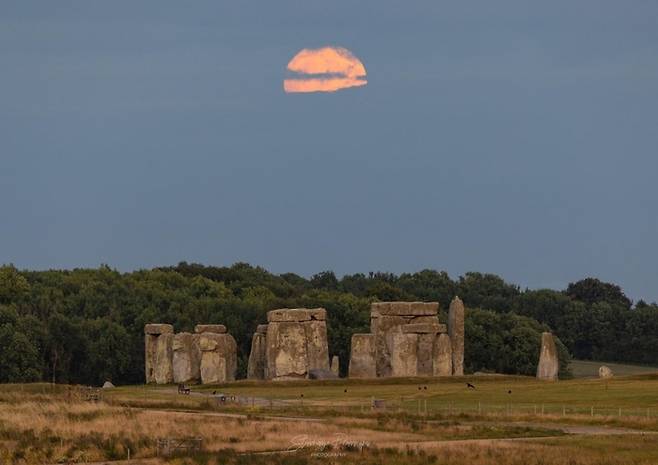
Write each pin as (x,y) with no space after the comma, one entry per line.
(326,69)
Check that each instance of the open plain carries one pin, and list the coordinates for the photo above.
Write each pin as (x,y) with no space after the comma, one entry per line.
(502,419)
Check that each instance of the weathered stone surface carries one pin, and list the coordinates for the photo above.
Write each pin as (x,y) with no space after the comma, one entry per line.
(261,329)
(217,329)
(186,358)
(156,329)
(218,358)
(432,320)
(456,332)
(424,328)
(548,366)
(404,308)
(163,372)
(335,365)
(383,328)
(321,373)
(317,347)
(404,355)
(605,372)
(296,314)
(442,356)
(256,366)
(286,351)
(362,356)
(424,353)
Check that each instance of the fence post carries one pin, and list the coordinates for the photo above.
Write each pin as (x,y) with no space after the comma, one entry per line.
(564,410)
(479,408)
(619,411)
(592,411)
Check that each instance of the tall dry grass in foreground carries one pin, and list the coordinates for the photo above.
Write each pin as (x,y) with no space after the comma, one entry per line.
(34,432)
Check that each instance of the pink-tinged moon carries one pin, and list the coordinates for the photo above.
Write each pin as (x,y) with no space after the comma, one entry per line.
(326,69)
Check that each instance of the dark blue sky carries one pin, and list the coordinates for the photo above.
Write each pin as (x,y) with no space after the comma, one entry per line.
(510,137)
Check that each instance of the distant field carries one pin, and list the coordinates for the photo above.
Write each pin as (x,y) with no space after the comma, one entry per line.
(507,420)
(590,369)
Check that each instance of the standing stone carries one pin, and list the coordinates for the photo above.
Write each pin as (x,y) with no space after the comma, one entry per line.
(388,319)
(158,356)
(256,366)
(404,355)
(605,372)
(548,366)
(456,332)
(286,350)
(335,365)
(317,346)
(186,358)
(218,358)
(442,356)
(362,356)
(295,343)
(424,354)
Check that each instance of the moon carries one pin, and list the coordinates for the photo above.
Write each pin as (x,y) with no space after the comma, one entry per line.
(326,69)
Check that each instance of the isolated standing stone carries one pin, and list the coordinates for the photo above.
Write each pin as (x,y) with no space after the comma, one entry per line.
(605,372)
(456,332)
(335,365)
(256,366)
(158,353)
(548,366)
(186,358)
(362,356)
(442,356)
(404,355)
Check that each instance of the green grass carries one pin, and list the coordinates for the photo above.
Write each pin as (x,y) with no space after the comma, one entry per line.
(590,369)
(633,394)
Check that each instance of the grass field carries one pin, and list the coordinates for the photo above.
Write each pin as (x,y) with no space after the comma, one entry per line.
(505,419)
(590,369)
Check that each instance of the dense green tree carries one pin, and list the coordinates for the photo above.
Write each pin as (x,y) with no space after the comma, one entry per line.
(592,291)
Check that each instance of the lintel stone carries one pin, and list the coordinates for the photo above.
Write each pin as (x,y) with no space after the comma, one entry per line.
(217,329)
(296,314)
(156,329)
(424,328)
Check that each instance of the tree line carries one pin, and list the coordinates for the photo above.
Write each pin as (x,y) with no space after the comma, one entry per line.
(86,325)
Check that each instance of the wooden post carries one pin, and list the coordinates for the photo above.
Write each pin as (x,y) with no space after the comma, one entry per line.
(619,411)
(479,408)
(592,411)
(564,410)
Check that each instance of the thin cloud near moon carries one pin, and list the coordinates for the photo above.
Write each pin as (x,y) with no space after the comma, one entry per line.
(326,69)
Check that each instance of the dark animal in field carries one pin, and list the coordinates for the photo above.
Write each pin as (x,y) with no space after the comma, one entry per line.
(470,386)
(509,392)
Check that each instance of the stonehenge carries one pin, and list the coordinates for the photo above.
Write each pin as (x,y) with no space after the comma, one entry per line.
(208,356)
(548,365)
(406,339)
(293,343)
